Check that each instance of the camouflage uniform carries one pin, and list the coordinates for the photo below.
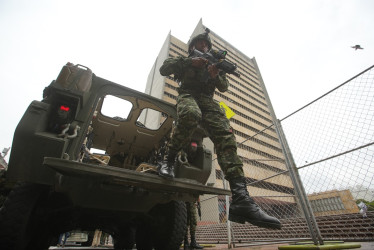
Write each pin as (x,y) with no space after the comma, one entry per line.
(195,105)
(191,217)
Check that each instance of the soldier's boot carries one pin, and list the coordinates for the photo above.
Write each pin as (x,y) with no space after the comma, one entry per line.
(194,244)
(186,246)
(166,168)
(243,208)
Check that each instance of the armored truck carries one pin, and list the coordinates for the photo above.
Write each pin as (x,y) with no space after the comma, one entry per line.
(85,157)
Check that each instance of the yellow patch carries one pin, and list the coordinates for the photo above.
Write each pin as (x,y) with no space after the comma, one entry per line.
(229,113)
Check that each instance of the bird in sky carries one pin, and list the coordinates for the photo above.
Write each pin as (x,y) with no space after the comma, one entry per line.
(356,47)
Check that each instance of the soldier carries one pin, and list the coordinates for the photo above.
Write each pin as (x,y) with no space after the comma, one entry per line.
(191,224)
(195,105)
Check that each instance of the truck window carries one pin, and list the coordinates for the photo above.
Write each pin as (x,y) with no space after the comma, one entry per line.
(116,108)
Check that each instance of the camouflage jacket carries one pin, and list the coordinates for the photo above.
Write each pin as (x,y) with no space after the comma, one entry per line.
(191,78)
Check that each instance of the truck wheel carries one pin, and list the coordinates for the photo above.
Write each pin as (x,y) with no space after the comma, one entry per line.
(125,239)
(18,223)
(144,237)
(170,225)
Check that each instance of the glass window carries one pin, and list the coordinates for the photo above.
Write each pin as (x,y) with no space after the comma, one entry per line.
(116,108)
(151,119)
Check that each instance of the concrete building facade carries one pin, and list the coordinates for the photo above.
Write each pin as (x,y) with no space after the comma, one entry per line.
(258,143)
(333,202)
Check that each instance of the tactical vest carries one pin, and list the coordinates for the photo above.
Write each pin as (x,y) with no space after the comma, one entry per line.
(197,81)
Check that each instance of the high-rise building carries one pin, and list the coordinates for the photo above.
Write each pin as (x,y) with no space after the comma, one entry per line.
(258,143)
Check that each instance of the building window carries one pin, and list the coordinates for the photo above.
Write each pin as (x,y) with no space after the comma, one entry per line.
(241,62)
(170,95)
(179,48)
(246,108)
(327,204)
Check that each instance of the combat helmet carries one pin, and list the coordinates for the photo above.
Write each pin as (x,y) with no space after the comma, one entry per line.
(203,36)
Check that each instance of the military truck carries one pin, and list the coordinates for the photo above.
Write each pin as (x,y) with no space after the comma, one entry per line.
(85,157)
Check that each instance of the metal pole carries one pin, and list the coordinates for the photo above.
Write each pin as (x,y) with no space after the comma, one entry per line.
(229,244)
(299,188)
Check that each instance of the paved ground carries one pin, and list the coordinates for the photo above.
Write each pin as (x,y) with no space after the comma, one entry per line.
(364,246)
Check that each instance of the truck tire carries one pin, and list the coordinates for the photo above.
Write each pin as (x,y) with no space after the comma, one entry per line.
(143,237)
(18,224)
(125,240)
(170,225)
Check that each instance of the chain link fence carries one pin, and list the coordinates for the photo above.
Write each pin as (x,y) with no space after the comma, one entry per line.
(317,176)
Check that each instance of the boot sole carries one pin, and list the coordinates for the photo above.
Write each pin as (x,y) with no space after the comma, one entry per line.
(242,220)
(166,176)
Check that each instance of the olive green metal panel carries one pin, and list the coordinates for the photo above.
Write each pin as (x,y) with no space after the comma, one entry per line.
(127,177)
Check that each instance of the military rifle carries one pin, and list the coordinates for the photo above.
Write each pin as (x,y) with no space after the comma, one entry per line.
(217,58)
(198,206)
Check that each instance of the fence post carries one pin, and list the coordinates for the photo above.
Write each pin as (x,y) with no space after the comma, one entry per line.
(299,188)
(229,243)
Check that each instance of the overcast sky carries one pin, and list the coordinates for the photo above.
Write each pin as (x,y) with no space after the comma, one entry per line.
(303,48)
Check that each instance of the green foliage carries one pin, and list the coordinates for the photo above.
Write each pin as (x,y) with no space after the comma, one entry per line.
(369,204)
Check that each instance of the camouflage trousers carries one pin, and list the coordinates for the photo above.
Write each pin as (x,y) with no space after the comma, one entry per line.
(201,109)
(191,218)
